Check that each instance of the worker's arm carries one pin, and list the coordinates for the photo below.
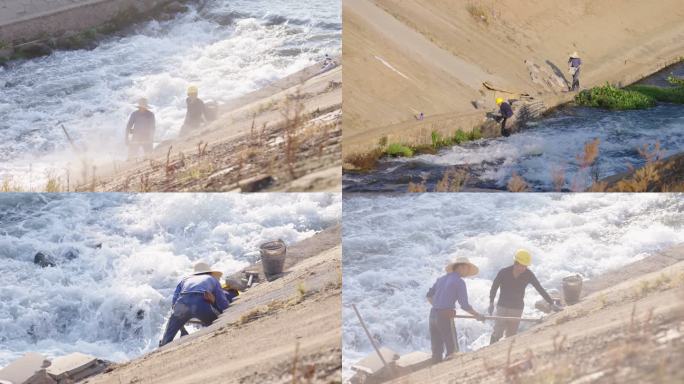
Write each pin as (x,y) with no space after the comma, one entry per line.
(540,289)
(495,287)
(221,301)
(129,126)
(431,293)
(462,298)
(176,294)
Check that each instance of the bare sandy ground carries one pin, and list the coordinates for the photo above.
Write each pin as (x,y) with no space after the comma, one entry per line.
(290,325)
(432,56)
(628,328)
(285,137)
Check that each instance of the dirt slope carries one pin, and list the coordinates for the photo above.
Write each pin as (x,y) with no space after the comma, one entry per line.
(255,340)
(285,137)
(628,329)
(432,56)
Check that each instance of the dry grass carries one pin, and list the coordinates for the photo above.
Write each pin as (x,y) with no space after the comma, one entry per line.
(292,112)
(453,180)
(478,12)
(517,184)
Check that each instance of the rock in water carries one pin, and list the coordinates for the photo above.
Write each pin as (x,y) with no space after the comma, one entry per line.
(44,260)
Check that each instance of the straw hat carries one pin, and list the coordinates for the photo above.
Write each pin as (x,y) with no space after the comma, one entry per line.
(472,268)
(142,103)
(202,267)
(574,55)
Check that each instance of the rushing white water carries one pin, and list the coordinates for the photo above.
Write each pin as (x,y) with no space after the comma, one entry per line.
(396,246)
(547,148)
(228,48)
(112,301)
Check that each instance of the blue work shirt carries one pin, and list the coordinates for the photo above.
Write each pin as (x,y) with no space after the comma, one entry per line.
(201,284)
(447,290)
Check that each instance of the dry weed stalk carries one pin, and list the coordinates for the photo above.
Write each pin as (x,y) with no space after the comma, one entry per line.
(452,181)
(517,183)
(293,114)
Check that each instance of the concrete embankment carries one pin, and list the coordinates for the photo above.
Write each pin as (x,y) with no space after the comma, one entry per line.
(27,21)
(35,28)
(403,58)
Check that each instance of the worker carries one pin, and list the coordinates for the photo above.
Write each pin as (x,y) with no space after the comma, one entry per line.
(443,296)
(513,280)
(196,114)
(198,296)
(506,112)
(140,130)
(574,64)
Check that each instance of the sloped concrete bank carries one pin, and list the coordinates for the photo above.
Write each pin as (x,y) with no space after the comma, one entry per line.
(34,29)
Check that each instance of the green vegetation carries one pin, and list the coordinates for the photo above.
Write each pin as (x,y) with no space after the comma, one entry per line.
(458,137)
(674,80)
(662,94)
(399,150)
(610,97)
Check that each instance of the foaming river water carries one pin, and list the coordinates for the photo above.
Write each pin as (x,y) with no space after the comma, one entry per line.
(396,245)
(119,257)
(546,148)
(227,49)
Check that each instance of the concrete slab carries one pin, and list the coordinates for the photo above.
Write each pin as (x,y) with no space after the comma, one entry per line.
(414,360)
(372,364)
(29,368)
(70,366)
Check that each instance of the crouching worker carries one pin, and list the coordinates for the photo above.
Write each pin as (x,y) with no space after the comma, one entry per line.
(513,280)
(443,296)
(198,296)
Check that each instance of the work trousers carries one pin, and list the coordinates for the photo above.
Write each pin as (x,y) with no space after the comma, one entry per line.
(442,334)
(134,148)
(575,82)
(508,327)
(188,307)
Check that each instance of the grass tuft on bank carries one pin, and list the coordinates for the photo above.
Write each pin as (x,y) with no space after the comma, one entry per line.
(613,98)
(662,94)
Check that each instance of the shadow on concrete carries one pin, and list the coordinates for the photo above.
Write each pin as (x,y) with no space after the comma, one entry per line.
(557,71)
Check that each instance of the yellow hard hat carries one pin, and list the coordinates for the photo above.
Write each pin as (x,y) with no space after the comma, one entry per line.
(499,101)
(523,257)
(192,90)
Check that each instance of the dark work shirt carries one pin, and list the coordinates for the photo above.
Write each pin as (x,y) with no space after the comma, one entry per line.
(195,112)
(575,62)
(513,290)
(506,110)
(142,125)
(447,290)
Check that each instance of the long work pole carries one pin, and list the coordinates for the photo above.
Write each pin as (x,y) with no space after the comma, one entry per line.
(500,318)
(373,343)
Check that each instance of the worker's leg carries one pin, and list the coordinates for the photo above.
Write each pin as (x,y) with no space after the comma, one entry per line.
(147,147)
(435,338)
(511,325)
(499,328)
(451,340)
(575,81)
(205,312)
(181,315)
(504,131)
(133,150)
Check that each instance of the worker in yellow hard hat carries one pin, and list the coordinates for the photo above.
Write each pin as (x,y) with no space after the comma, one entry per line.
(513,280)
(196,114)
(505,113)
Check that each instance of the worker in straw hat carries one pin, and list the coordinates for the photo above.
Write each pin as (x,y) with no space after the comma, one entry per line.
(443,295)
(197,296)
(140,130)
(195,116)
(574,64)
(513,280)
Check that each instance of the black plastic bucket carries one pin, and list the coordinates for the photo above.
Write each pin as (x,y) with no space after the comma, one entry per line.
(273,256)
(572,289)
